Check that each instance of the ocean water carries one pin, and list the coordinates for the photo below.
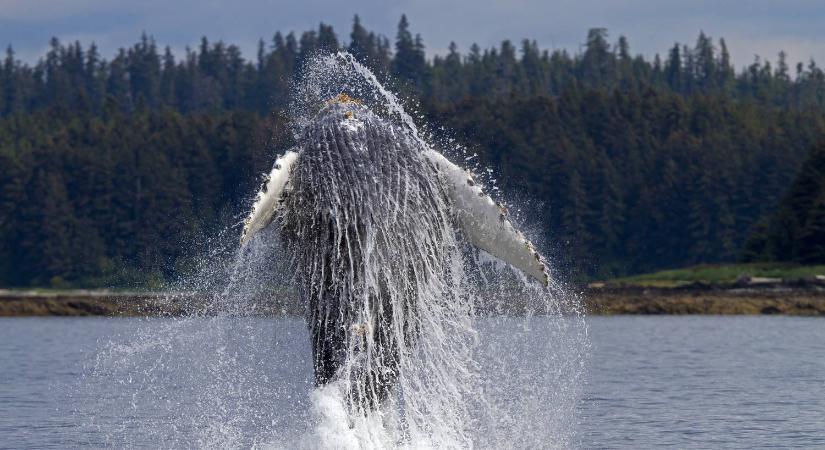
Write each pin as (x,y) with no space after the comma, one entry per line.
(650,382)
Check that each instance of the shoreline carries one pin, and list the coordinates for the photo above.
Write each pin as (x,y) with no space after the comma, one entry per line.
(77,303)
(798,299)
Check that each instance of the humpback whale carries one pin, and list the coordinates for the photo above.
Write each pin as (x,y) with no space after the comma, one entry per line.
(341,200)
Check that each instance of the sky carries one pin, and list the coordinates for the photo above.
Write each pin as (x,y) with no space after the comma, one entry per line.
(750,27)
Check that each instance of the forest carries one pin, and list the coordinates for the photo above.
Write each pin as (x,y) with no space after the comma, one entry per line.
(120,171)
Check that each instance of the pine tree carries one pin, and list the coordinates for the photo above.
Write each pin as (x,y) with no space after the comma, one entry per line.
(673,69)
(705,63)
(409,63)
(812,236)
(597,61)
(46,239)
(327,40)
(360,45)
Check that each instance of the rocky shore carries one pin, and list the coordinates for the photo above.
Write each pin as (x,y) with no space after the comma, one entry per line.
(87,303)
(798,297)
(803,298)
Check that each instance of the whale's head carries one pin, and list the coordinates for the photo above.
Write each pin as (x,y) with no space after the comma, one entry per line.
(350,154)
(345,125)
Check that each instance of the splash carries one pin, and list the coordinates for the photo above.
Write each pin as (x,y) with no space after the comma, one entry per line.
(442,345)
(378,262)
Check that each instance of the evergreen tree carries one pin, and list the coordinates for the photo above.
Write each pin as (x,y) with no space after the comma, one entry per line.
(409,63)
(812,237)
(795,231)
(360,45)
(597,60)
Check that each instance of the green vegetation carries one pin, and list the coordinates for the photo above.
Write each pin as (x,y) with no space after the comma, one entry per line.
(722,273)
(114,172)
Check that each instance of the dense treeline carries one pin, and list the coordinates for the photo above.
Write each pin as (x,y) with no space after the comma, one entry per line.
(121,197)
(633,164)
(642,181)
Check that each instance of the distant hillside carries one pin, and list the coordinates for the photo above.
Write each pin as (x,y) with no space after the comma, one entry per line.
(114,171)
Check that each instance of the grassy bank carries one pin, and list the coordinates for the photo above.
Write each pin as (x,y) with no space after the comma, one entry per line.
(723,274)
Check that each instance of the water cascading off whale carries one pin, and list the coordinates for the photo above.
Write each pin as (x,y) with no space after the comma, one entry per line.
(372,217)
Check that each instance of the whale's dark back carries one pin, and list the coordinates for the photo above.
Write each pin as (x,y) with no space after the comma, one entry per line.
(359,223)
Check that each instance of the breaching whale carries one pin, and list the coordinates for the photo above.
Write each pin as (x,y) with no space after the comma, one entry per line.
(341,198)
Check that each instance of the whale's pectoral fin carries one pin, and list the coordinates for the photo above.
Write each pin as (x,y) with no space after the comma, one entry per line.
(269,198)
(484,222)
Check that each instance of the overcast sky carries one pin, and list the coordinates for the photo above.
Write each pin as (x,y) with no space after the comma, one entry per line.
(750,27)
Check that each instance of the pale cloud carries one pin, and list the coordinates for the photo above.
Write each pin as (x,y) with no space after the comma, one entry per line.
(34,10)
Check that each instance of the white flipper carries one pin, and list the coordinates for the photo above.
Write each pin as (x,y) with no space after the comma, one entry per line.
(268,200)
(485,223)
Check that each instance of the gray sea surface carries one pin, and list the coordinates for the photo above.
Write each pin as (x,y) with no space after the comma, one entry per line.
(651,381)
